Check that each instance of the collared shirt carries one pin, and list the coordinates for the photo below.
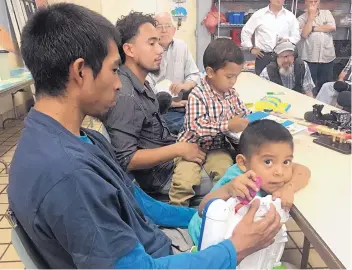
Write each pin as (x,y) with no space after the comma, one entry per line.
(318,47)
(288,81)
(135,123)
(347,70)
(208,114)
(268,29)
(177,65)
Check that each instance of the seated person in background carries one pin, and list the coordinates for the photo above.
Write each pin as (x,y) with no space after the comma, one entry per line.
(71,197)
(330,90)
(289,72)
(318,50)
(177,66)
(266,150)
(270,26)
(213,109)
(142,142)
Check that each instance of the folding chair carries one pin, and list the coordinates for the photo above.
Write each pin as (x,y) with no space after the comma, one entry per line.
(25,248)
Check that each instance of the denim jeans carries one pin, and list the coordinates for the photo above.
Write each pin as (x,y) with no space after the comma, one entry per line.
(174,121)
(321,73)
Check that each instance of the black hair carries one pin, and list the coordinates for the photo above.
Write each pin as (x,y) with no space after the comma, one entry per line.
(58,35)
(261,132)
(129,25)
(220,52)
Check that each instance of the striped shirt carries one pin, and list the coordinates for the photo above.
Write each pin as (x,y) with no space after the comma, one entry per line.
(177,65)
(207,116)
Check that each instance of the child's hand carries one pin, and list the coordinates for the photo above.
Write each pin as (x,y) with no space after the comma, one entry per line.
(238,124)
(286,194)
(239,186)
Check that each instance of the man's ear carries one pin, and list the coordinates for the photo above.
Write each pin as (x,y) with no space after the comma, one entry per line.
(209,71)
(173,30)
(241,162)
(77,70)
(128,49)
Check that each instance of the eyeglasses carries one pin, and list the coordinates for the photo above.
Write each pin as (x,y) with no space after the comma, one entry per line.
(163,26)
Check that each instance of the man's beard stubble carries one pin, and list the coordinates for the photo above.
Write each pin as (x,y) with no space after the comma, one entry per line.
(155,71)
(286,71)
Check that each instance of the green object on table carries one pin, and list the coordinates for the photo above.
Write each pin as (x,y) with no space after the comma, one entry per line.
(275,93)
(280,267)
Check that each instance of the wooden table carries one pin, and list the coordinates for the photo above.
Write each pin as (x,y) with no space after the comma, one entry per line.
(323,209)
(20,79)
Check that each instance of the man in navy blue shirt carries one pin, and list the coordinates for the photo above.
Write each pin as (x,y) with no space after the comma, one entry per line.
(67,190)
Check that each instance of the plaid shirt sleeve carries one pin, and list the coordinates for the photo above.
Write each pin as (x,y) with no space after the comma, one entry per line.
(198,120)
(240,106)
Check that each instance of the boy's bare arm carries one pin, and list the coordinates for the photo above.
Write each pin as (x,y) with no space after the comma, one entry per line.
(299,180)
(300,177)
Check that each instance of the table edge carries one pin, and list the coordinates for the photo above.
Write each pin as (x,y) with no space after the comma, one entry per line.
(318,243)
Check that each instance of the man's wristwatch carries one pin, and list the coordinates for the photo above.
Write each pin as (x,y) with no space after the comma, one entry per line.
(313,28)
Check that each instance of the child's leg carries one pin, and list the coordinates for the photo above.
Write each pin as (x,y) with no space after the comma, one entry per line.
(218,161)
(186,175)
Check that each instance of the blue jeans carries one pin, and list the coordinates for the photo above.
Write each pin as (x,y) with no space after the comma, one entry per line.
(321,73)
(174,121)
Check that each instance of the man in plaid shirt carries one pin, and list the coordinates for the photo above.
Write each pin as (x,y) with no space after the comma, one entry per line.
(330,91)
(213,109)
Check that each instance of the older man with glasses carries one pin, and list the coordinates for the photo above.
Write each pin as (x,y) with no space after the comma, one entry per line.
(177,66)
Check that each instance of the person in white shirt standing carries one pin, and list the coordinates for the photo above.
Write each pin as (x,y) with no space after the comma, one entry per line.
(177,66)
(318,47)
(270,25)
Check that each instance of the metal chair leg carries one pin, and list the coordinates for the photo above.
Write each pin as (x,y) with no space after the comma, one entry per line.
(305,253)
(13,108)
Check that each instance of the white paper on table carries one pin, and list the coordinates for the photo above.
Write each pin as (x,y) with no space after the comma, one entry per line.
(164,86)
(293,128)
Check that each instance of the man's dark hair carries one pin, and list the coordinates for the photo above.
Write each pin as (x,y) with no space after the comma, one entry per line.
(129,25)
(58,35)
(262,132)
(220,52)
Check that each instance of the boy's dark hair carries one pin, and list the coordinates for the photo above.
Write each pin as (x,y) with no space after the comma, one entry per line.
(261,132)
(58,35)
(220,52)
(129,25)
